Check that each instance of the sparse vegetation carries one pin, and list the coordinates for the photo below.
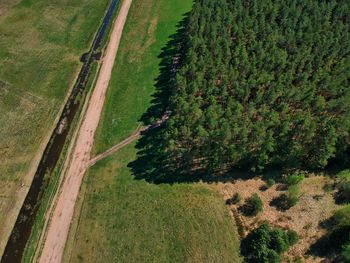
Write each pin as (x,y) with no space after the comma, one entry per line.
(310,224)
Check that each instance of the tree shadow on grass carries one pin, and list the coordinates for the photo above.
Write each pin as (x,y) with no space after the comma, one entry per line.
(171,58)
(151,163)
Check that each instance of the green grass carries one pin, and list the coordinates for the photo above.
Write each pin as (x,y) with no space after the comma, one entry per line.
(40,45)
(125,220)
(120,219)
(136,68)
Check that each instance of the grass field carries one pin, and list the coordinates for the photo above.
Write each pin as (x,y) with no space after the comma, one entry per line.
(120,219)
(125,220)
(40,45)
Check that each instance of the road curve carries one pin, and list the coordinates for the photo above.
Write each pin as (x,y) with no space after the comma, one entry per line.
(63,212)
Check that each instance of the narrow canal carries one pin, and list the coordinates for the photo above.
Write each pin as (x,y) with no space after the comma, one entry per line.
(21,232)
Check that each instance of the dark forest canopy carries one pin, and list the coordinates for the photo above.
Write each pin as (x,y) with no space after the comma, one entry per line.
(262,83)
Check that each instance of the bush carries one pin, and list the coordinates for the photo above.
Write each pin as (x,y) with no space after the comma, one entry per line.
(270,182)
(343,186)
(252,206)
(342,217)
(339,236)
(284,201)
(337,241)
(292,237)
(346,252)
(289,199)
(235,199)
(294,179)
(267,244)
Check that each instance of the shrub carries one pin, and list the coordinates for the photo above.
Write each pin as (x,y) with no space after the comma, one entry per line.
(235,199)
(339,236)
(266,244)
(293,237)
(342,216)
(294,179)
(289,199)
(346,252)
(343,186)
(328,188)
(252,206)
(285,201)
(337,240)
(270,182)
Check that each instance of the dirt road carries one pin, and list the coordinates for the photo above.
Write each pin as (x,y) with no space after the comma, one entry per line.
(117,147)
(128,140)
(63,212)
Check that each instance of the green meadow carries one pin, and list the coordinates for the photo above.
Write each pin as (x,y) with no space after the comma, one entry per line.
(119,218)
(126,220)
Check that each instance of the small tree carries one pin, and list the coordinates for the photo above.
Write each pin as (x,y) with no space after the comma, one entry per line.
(252,206)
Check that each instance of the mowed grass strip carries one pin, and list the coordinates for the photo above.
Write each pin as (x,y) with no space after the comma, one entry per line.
(125,220)
(137,67)
(121,219)
(40,45)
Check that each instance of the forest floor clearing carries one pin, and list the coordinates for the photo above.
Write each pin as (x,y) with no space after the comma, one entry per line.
(314,207)
(63,212)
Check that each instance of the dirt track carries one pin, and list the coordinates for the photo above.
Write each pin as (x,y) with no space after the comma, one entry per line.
(63,212)
(117,147)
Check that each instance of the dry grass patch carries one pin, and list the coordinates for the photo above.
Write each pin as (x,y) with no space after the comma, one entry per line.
(314,206)
(40,45)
